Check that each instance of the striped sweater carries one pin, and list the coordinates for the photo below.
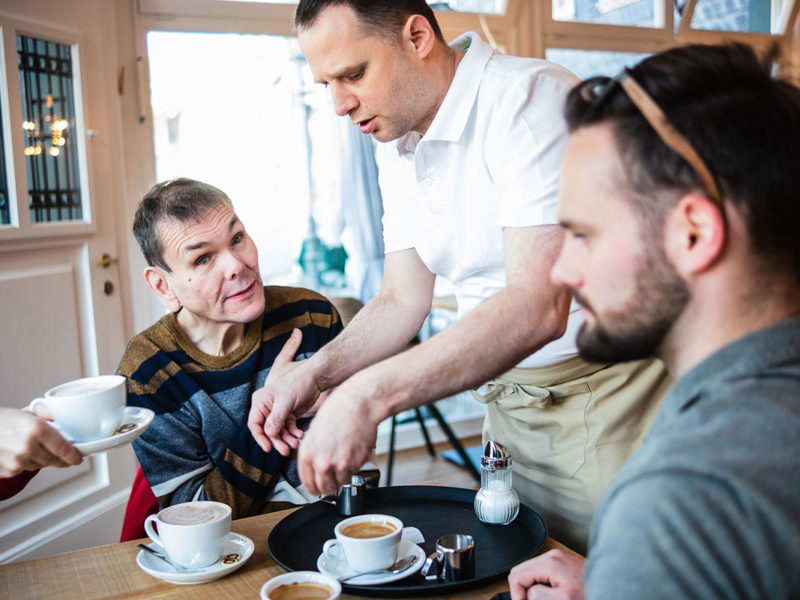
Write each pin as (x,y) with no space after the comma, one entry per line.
(198,446)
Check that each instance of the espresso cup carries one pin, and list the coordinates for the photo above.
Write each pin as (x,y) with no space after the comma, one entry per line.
(86,409)
(368,542)
(301,585)
(191,533)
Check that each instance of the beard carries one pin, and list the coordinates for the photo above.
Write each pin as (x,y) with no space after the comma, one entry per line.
(637,330)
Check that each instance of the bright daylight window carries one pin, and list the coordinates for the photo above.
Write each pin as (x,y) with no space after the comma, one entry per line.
(234,111)
(48,118)
(639,13)
(588,63)
(489,7)
(756,16)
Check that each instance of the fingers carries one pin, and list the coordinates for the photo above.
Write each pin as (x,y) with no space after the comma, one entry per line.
(58,451)
(290,348)
(255,423)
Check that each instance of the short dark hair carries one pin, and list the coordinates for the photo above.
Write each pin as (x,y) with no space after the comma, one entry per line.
(742,121)
(180,199)
(377,17)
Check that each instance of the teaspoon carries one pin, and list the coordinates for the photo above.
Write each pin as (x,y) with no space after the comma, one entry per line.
(396,567)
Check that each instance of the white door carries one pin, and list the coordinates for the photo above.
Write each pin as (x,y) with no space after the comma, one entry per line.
(62,315)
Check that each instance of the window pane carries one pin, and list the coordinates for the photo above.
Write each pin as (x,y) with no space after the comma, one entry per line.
(232,110)
(5,213)
(639,13)
(48,118)
(489,7)
(588,63)
(734,15)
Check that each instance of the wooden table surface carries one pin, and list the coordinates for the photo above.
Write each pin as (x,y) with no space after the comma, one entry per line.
(111,572)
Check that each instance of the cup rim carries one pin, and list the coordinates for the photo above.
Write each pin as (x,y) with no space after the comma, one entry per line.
(226,507)
(299,576)
(369,518)
(117,380)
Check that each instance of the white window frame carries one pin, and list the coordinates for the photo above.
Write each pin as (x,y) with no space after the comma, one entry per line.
(21,227)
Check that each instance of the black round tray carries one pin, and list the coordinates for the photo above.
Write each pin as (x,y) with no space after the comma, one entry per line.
(296,542)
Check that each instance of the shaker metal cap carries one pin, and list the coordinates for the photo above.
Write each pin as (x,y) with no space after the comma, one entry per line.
(495,456)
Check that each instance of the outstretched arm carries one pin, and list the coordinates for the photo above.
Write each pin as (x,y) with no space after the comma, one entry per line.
(382,328)
(527,314)
(28,443)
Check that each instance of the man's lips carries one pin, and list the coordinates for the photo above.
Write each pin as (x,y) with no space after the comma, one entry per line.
(242,293)
(367,125)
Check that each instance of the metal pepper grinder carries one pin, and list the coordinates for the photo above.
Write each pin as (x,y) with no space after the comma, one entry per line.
(496,502)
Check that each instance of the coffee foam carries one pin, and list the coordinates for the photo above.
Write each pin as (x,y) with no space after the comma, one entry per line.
(81,388)
(301,590)
(368,529)
(191,513)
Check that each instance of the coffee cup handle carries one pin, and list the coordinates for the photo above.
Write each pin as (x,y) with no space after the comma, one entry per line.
(150,530)
(36,402)
(329,546)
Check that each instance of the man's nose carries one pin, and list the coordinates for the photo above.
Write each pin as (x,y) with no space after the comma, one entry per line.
(565,271)
(234,265)
(344,101)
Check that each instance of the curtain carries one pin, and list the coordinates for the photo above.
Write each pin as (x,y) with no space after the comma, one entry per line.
(362,208)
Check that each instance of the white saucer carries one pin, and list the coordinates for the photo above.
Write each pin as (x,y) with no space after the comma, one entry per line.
(134,424)
(237,549)
(338,567)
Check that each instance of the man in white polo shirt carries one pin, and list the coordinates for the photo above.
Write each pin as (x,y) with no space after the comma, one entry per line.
(469,172)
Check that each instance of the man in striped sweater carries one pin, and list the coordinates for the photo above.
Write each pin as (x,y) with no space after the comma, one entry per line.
(198,366)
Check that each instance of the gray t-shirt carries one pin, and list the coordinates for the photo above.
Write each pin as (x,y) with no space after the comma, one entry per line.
(709,506)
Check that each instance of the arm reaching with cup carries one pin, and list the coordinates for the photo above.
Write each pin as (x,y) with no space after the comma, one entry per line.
(28,443)
(555,574)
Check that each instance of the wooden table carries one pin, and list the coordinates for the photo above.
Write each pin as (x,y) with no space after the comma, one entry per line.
(111,572)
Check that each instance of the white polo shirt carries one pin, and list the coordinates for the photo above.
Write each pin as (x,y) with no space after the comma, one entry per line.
(490,159)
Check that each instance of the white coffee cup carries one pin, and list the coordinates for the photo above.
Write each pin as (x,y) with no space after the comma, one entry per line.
(191,533)
(291,585)
(86,409)
(369,542)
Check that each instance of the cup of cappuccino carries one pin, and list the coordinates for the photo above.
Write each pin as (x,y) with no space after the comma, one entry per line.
(368,542)
(86,409)
(191,533)
(301,585)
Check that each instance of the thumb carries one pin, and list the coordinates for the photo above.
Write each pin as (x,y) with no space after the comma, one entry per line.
(290,348)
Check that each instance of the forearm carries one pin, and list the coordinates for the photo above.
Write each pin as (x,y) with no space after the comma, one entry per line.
(379,330)
(497,335)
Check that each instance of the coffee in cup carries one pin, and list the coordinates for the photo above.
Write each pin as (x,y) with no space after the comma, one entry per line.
(368,529)
(301,585)
(86,409)
(191,533)
(366,542)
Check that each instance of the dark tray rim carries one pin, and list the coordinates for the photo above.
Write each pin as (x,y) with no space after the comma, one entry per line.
(533,521)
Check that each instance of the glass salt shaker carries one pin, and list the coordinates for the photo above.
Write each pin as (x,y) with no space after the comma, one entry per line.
(496,502)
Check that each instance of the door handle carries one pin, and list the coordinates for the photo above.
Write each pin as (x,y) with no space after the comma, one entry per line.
(106,260)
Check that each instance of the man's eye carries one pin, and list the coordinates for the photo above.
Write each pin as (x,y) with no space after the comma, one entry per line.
(357,75)
(237,239)
(201,260)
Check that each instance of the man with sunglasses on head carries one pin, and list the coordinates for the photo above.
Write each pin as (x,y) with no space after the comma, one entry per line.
(469,152)
(679,196)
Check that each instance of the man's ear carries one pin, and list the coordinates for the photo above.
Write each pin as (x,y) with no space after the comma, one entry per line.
(156,278)
(419,34)
(695,234)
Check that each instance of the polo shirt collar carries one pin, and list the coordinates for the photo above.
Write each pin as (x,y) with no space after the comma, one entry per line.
(450,120)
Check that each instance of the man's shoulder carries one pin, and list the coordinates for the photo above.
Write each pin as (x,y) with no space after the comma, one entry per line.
(531,75)
(279,295)
(159,336)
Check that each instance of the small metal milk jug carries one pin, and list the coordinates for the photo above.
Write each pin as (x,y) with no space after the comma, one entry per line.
(496,502)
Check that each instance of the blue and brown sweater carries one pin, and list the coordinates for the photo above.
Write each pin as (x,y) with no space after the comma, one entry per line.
(198,447)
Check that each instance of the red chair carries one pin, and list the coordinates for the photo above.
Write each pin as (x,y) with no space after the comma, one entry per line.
(141,503)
